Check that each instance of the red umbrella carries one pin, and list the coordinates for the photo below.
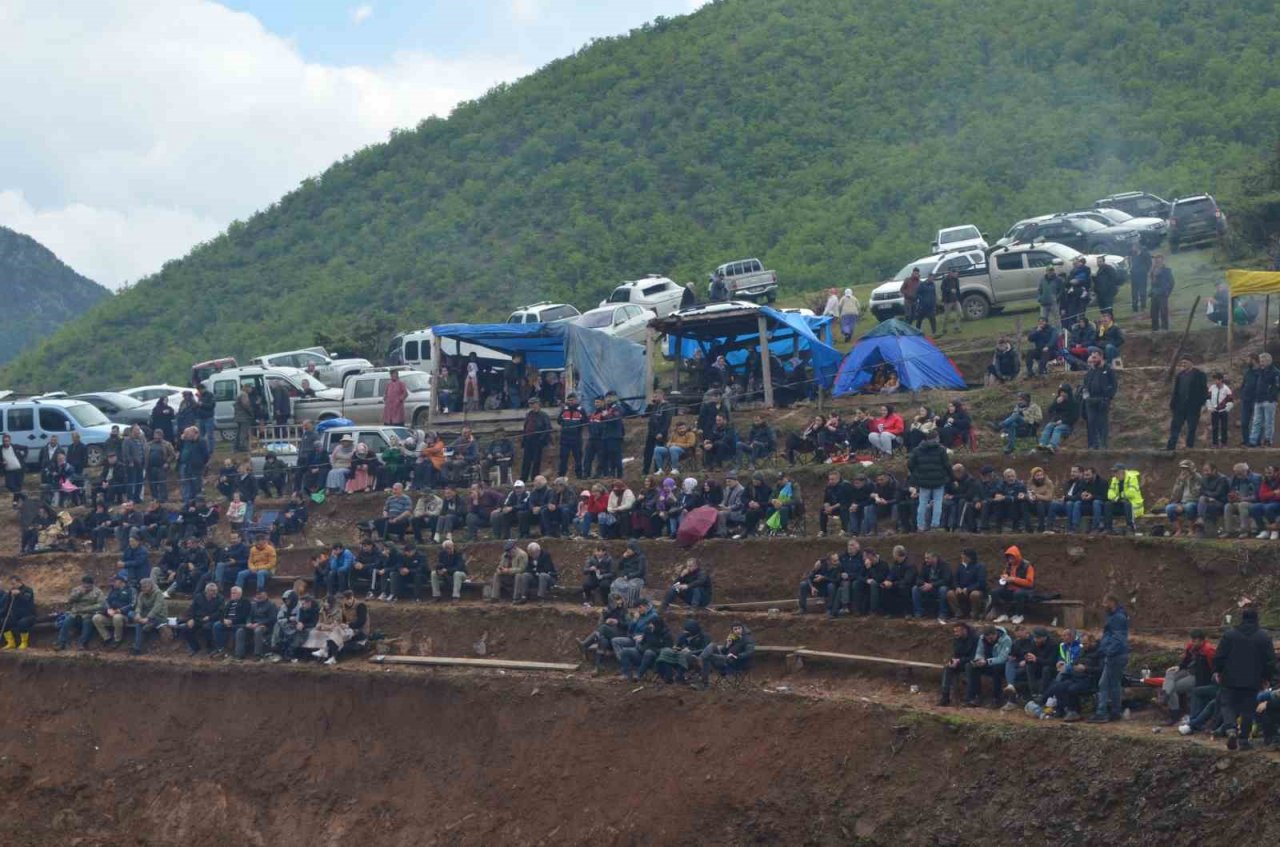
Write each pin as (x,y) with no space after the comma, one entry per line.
(695,526)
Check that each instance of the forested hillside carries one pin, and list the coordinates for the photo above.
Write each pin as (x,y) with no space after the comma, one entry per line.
(828,137)
(40,293)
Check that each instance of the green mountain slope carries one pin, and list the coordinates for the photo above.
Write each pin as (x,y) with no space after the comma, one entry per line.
(40,292)
(828,137)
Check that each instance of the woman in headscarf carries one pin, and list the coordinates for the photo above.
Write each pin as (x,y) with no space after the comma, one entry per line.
(849,309)
(832,308)
(340,464)
(364,470)
(667,507)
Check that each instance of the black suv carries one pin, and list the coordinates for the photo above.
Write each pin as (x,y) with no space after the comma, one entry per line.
(1140,204)
(1081,234)
(1195,220)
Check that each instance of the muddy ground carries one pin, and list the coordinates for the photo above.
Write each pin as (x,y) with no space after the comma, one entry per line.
(262,756)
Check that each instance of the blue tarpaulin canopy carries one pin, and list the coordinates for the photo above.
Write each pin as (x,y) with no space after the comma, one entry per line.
(917,361)
(734,331)
(601,362)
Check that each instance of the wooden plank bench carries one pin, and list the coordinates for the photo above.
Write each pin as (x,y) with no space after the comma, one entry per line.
(801,654)
(1071,612)
(757,605)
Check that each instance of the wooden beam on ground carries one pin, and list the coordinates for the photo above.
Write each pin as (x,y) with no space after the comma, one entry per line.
(757,605)
(452,661)
(776,649)
(1177,354)
(854,657)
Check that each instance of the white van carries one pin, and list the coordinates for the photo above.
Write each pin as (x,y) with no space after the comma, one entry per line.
(225,386)
(30,423)
(413,349)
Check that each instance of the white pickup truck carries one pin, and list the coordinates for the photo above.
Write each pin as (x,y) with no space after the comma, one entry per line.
(747,279)
(317,361)
(988,281)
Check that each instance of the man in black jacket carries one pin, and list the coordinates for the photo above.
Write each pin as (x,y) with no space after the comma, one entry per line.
(1215,490)
(963,499)
(964,641)
(692,585)
(261,622)
(818,581)
(1190,391)
(1098,390)
(204,612)
(1245,663)
(1033,660)
(847,573)
(450,569)
(234,617)
(929,473)
(835,503)
(539,570)
(1139,272)
(658,426)
(932,586)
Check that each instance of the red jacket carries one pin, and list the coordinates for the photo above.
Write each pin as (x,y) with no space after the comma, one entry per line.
(892,424)
(1269,492)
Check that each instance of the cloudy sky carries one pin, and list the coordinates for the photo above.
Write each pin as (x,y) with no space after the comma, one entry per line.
(135,129)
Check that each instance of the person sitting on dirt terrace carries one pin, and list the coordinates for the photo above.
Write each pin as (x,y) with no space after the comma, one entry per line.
(805,441)
(1214,492)
(150,612)
(1075,680)
(1046,346)
(962,500)
(968,594)
(931,587)
(1109,338)
(115,611)
(836,500)
(205,610)
(692,586)
(1194,669)
(731,510)
(1022,421)
(819,581)
(450,569)
(756,501)
(674,662)
(1124,497)
(17,613)
(613,624)
(615,520)
(1032,662)
(1266,511)
(1017,583)
(862,510)
(232,619)
(1092,502)
(397,514)
(539,571)
(369,560)
(964,643)
(734,656)
(1184,499)
(513,562)
(1004,365)
(885,432)
(1243,488)
(634,661)
(989,658)
(1007,502)
(83,602)
(598,573)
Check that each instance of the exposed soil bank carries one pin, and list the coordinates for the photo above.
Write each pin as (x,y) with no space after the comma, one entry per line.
(115,754)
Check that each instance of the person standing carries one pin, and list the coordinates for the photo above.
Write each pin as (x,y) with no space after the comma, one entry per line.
(910,286)
(1048,294)
(930,472)
(534,437)
(1115,657)
(204,412)
(1097,391)
(1248,395)
(831,308)
(1139,275)
(1105,285)
(14,458)
(243,417)
(927,304)
(393,401)
(1262,427)
(1245,662)
(950,291)
(658,426)
(614,434)
(1190,391)
(1219,404)
(849,310)
(1161,290)
(572,420)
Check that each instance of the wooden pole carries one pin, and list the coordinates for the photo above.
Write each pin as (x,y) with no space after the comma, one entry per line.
(437,350)
(757,605)
(1177,354)
(650,350)
(1231,333)
(675,380)
(765,365)
(1266,320)
(450,661)
(854,657)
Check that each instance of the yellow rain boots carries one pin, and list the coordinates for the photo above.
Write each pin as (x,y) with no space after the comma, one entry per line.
(23,640)
(9,643)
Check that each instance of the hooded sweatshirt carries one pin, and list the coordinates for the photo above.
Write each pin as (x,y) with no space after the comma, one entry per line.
(1246,655)
(1019,573)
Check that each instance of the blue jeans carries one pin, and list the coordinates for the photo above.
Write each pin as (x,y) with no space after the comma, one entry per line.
(1098,424)
(1078,511)
(919,595)
(1263,428)
(1264,512)
(930,501)
(1189,511)
(246,574)
(697,598)
(140,630)
(69,624)
(863,521)
(1053,434)
(220,633)
(667,457)
(220,572)
(1109,685)
(208,434)
(1009,426)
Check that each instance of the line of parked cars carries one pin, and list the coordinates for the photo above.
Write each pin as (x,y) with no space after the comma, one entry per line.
(991,277)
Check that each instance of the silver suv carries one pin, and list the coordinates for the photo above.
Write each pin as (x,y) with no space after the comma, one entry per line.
(545,312)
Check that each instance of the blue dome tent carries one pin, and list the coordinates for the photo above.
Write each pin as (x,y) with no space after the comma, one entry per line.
(919,363)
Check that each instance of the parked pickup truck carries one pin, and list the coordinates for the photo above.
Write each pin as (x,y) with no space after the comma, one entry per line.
(308,396)
(747,279)
(377,437)
(988,281)
(362,397)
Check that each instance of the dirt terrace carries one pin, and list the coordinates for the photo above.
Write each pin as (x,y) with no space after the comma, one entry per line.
(287,757)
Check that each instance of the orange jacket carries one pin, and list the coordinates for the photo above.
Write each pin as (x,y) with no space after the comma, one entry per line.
(1019,573)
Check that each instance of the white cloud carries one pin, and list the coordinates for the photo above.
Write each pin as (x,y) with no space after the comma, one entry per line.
(361,13)
(526,11)
(136,128)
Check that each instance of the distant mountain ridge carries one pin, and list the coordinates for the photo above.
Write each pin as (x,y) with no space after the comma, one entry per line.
(39,291)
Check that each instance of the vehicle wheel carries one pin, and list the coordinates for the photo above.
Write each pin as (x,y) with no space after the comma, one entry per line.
(975,307)
(95,455)
(420,419)
(226,434)
(772,296)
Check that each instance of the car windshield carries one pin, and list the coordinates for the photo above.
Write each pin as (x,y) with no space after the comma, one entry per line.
(960,233)
(596,320)
(415,381)
(925,266)
(621,294)
(1087,225)
(1115,215)
(86,415)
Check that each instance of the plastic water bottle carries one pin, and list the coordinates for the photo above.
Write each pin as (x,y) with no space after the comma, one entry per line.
(1034,709)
